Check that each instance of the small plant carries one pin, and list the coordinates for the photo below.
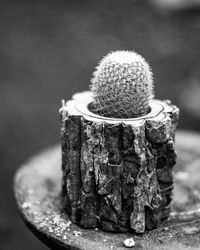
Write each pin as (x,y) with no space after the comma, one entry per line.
(117,173)
(122,85)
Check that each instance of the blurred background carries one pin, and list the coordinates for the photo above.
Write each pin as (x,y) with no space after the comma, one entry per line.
(48,50)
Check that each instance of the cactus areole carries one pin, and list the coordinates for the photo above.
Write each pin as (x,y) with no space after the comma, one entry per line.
(122,85)
(118,149)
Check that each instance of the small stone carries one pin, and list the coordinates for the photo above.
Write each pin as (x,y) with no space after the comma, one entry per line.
(129,242)
(58,233)
(165,229)
(42,224)
(96,229)
(191,230)
(64,237)
(68,224)
(26,205)
(77,233)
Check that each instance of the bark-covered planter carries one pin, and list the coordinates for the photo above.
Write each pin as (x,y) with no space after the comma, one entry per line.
(117,173)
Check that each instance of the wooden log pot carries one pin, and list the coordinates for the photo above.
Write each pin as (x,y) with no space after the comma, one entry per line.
(117,173)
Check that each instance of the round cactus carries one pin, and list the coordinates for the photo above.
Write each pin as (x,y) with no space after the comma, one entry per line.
(122,85)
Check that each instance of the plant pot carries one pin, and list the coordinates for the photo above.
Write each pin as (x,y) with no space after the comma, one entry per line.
(117,173)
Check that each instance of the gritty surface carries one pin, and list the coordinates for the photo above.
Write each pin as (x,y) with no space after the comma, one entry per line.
(39,202)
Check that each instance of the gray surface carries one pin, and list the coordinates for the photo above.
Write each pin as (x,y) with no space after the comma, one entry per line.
(47,52)
(37,191)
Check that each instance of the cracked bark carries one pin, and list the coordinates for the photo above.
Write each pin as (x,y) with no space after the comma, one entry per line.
(118,176)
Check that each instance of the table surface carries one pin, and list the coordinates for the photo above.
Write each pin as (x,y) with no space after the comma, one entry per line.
(37,187)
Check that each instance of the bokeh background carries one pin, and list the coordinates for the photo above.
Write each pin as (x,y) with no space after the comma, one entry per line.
(48,50)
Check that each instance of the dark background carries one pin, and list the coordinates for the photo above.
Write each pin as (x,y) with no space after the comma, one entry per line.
(48,50)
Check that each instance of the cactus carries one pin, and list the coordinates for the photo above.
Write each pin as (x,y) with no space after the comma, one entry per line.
(122,85)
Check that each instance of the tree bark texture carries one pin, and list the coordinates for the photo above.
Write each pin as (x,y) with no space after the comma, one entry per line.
(117,174)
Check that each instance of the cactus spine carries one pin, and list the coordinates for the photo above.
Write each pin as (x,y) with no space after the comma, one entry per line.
(122,85)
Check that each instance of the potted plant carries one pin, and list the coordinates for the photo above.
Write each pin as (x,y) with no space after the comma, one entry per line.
(118,149)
